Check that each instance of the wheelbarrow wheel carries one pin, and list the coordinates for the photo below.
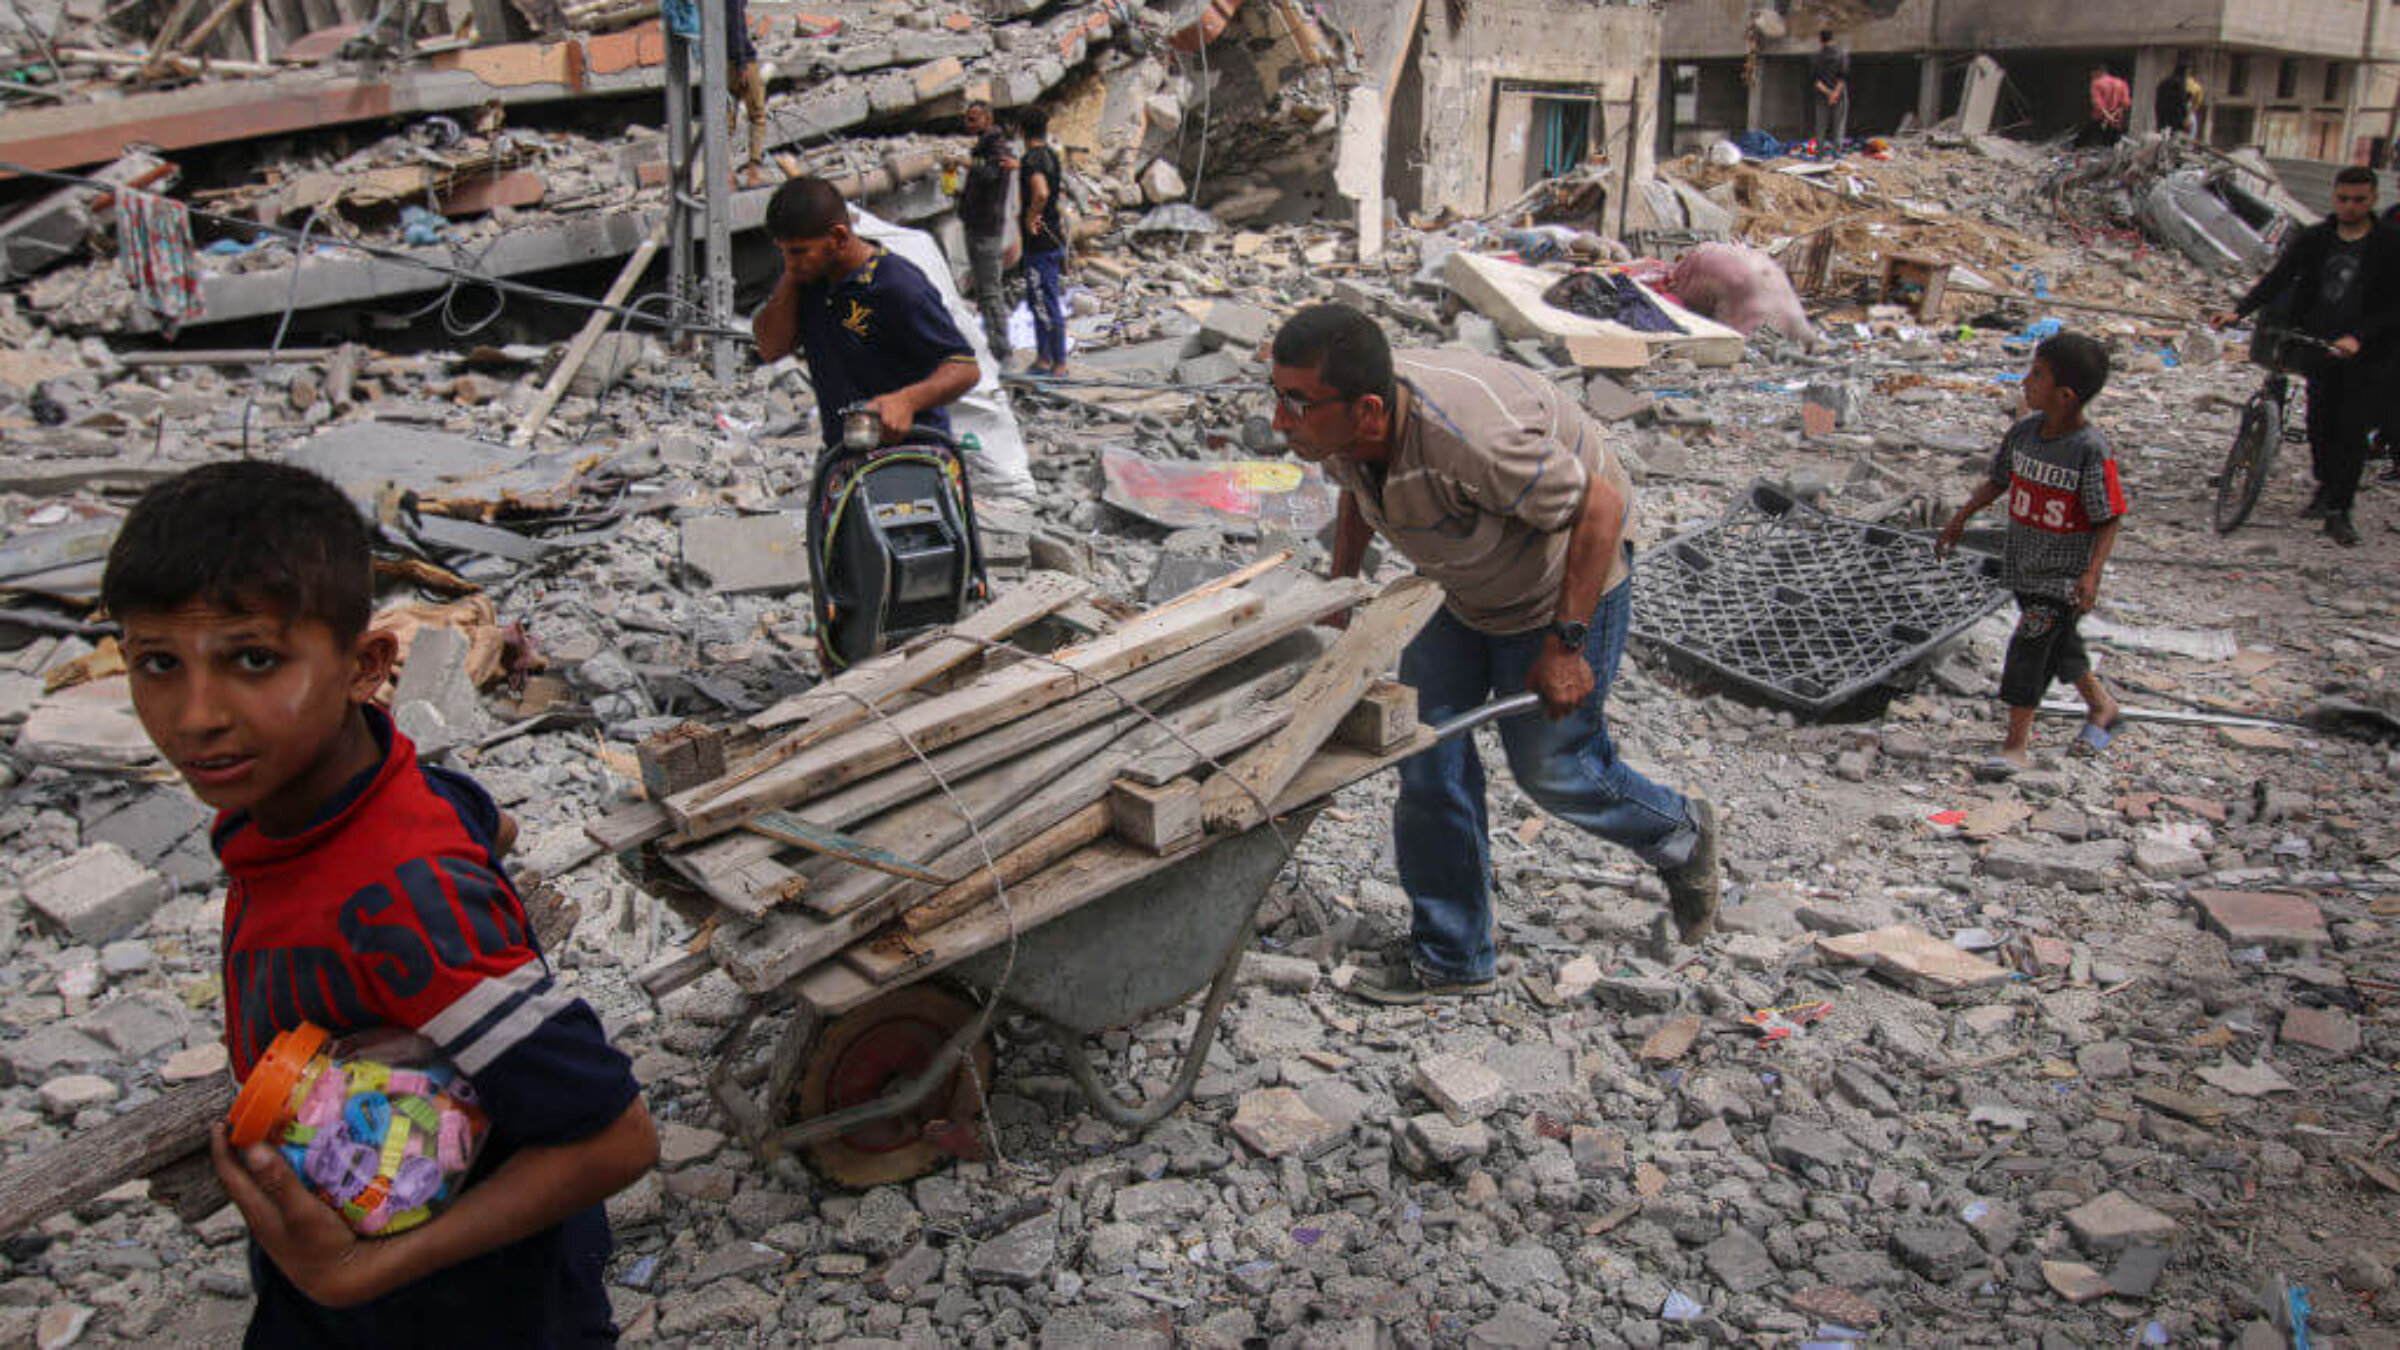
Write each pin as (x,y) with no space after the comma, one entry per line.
(867,1051)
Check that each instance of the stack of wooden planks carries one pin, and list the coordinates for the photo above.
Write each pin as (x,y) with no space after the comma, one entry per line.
(855,836)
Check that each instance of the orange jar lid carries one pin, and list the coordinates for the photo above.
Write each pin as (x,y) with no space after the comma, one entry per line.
(267,1093)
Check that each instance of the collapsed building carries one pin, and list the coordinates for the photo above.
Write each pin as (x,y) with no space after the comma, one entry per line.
(2292,77)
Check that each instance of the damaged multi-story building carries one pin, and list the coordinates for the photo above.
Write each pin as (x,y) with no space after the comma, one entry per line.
(2294,77)
(531,138)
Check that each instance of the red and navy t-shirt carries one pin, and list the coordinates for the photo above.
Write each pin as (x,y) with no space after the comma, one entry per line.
(2059,490)
(392,910)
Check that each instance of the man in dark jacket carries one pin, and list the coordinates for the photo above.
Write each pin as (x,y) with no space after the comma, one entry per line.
(983,209)
(2339,281)
(2171,102)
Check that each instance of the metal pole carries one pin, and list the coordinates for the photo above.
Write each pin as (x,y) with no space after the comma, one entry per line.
(716,170)
(679,181)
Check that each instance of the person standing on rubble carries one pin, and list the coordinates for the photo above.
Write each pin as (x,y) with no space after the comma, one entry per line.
(2112,107)
(1501,489)
(1045,243)
(1829,75)
(871,327)
(2338,281)
(2171,102)
(983,210)
(746,81)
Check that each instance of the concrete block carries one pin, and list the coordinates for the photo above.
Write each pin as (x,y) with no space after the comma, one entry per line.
(63,1097)
(435,704)
(1464,1088)
(152,825)
(1161,183)
(1234,325)
(1218,367)
(97,894)
(2328,1029)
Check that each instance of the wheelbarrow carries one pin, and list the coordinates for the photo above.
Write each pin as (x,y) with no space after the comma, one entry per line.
(889,1089)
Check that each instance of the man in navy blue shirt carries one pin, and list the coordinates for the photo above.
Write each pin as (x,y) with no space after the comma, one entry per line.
(872,329)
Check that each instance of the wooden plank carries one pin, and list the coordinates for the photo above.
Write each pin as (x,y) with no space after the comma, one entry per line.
(588,337)
(1080,878)
(784,827)
(1241,576)
(1367,649)
(1044,849)
(629,826)
(834,705)
(941,827)
(790,940)
(1212,744)
(93,1162)
(788,943)
(953,717)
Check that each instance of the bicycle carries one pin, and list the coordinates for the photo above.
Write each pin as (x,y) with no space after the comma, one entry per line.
(2284,352)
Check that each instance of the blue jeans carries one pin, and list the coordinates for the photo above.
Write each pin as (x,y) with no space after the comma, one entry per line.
(1045,295)
(1569,767)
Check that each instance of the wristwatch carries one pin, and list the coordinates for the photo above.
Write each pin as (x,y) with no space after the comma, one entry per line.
(1572,634)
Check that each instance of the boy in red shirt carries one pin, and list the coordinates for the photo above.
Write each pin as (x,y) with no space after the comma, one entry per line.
(2065,505)
(366,891)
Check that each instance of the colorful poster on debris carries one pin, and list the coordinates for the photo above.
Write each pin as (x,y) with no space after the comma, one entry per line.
(1181,494)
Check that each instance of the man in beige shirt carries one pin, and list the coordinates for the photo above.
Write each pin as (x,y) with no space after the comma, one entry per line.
(1490,480)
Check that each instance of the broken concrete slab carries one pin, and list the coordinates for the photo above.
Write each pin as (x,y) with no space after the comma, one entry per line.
(2114,1221)
(1278,1123)
(744,554)
(1463,1087)
(368,459)
(436,705)
(1510,294)
(87,726)
(1235,326)
(1917,959)
(96,894)
(2328,1029)
(2264,918)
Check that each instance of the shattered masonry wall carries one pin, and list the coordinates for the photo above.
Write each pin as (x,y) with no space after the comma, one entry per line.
(1571,42)
(1701,29)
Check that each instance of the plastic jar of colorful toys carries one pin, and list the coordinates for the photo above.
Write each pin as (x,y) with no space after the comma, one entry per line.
(381,1127)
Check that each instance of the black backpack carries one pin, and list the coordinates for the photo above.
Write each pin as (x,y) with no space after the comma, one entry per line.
(892,545)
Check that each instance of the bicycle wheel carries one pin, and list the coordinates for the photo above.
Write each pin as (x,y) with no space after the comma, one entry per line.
(2248,462)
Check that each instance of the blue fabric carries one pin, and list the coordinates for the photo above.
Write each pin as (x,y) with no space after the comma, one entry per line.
(881,328)
(1569,767)
(1758,145)
(740,50)
(1045,295)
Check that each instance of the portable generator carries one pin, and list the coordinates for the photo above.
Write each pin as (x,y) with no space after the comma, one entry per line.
(892,546)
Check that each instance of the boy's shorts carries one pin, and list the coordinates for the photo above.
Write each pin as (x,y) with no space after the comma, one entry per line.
(2044,648)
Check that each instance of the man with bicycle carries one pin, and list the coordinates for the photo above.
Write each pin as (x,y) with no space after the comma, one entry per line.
(2338,282)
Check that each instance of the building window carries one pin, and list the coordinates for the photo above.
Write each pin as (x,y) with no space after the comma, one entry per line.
(2287,79)
(2334,71)
(2237,80)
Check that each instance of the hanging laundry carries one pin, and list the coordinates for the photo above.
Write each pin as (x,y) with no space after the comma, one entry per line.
(154,248)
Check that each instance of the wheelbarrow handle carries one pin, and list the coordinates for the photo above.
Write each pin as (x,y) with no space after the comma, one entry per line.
(1489,712)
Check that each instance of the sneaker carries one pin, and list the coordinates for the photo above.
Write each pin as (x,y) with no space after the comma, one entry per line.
(2316,508)
(1692,887)
(1405,984)
(2339,529)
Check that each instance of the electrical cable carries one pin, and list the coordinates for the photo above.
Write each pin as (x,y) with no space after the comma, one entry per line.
(291,303)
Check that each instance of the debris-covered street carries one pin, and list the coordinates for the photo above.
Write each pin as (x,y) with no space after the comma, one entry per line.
(2100,1052)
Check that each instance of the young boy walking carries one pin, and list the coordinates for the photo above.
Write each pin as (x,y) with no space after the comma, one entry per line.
(2064,505)
(366,891)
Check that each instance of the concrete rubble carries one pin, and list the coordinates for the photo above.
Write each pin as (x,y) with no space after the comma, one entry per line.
(2108,1050)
